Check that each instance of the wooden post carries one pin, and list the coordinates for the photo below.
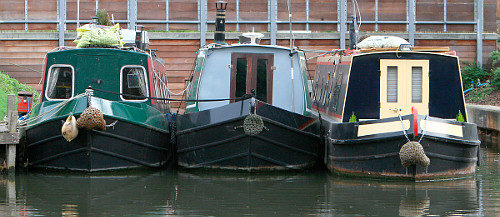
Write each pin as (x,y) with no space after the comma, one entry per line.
(11,148)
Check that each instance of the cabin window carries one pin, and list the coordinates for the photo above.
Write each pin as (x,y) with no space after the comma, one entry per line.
(60,82)
(392,84)
(241,77)
(416,84)
(261,90)
(133,83)
(339,76)
(252,72)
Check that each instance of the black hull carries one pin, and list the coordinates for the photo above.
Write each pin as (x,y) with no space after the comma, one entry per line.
(123,146)
(378,156)
(223,144)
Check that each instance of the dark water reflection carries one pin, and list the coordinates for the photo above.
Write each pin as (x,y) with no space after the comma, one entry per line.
(208,193)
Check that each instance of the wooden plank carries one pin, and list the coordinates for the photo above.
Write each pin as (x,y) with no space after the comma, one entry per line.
(9,138)
(176,86)
(181,67)
(29,80)
(176,79)
(23,74)
(33,48)
(22,61)
(445,42)
(167,54)
(179,73)
(20,68)
(180,60)
(28,43)
(193,48)
(174,42)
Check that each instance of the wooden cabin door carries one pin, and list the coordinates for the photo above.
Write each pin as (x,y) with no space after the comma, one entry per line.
(403,83)
(252,71)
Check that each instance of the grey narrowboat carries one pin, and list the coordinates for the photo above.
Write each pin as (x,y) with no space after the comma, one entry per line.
(395,114)
(248,108)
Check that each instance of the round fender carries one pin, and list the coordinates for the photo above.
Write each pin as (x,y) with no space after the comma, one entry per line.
(415,120)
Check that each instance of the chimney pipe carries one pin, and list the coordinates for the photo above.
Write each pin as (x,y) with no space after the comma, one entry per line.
(353,36)
(220,22)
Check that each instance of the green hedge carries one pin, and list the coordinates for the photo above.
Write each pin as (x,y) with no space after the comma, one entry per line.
(10,85)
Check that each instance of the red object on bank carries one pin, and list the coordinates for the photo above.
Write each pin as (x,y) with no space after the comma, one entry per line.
(24,102)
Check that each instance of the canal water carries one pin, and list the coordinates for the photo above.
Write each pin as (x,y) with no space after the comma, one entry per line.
(209,193)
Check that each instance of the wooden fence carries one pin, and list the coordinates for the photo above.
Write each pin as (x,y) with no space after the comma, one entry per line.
(29,28)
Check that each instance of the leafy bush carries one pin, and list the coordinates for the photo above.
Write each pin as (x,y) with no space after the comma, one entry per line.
(472,73)
(479,95)
(494,58)
(103,18)
(10,85)
(495,78)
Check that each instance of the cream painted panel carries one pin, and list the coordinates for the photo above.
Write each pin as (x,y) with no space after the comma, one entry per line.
(386,127)
(404,103)
(440,127)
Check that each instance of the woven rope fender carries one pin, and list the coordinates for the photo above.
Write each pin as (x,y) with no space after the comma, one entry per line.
(413,153)
(253,124)
(91,119)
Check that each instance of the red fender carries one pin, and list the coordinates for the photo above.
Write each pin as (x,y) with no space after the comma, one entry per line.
(415,120)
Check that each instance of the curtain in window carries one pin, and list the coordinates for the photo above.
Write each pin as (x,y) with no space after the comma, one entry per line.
(51,84)
(142,81)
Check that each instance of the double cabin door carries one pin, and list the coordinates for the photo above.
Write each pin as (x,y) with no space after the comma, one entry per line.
(403,84)
(252,72)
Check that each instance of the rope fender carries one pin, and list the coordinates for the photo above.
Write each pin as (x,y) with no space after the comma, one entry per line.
(413,153)
(253,124)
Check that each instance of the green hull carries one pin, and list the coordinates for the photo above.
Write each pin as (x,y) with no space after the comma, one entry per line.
(138,131)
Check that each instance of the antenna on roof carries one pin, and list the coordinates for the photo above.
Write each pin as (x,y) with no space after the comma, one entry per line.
(290,22)
(291,51)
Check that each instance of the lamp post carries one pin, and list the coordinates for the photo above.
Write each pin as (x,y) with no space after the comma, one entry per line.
(220,22)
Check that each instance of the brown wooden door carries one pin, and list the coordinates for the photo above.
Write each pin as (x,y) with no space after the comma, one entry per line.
(252,71)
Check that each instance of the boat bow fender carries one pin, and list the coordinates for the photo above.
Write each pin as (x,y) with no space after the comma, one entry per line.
(413,153)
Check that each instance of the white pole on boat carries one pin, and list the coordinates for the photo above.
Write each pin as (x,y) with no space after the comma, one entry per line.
(291,52)
(77,13)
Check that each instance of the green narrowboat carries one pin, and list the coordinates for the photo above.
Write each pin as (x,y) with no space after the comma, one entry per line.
(122,82)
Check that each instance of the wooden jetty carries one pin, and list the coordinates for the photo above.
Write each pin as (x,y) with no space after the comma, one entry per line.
(9,135)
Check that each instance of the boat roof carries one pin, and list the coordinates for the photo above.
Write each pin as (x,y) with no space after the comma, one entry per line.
(214,46)
(416,50)
(93,49)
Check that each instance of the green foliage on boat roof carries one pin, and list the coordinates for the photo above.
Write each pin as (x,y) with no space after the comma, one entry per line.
(103,16)
(460,117)
(353,118)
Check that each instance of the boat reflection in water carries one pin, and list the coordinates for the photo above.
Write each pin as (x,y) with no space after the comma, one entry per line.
(109,194)
(382,198)
(253,194)
(224,193)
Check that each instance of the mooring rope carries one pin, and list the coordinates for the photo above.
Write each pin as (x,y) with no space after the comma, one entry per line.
(403,126)
(425,128)
(246,96)
(58,107)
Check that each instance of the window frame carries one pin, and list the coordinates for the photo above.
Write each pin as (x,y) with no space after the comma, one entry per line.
(145,79)
(49,77)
